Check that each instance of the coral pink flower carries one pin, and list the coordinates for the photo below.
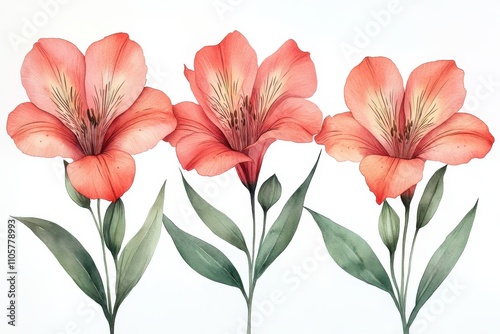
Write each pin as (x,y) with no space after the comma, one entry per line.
(392,131)
(243,108)
(93,109)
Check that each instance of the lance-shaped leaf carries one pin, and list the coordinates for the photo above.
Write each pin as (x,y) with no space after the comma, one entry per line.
(220,224)
(204,258)
(431,198)
(78,198)
(352,253)
(114,227)
(283,229)
(269,193)
(388,227)
(138,252)
(72,256)
(443,261)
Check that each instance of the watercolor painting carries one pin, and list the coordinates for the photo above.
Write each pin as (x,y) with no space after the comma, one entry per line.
(236,167)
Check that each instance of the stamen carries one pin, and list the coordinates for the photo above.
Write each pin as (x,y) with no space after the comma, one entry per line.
(106,102)
(92,118)
(384,110)
(241,116)
(422,112)
(67,101)
(83,126)
(267,96)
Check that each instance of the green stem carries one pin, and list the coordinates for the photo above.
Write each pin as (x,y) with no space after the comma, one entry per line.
(251,278)
(399,300)
(98,224)
(104,255)
(409,263)
(405,231)
(263,229)
(250,295)
(404,286)
(112,323)
(393,275)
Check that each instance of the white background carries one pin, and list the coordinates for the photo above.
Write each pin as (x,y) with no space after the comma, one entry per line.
(315,295)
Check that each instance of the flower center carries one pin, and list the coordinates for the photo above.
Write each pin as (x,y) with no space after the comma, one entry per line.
(91,134)
(402,132)
(240,124)
(384,109)
(236,112)
(88,124)
(400,140)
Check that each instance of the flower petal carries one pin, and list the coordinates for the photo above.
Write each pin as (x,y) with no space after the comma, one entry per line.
(224,74)
(456,141)
(207,155)
(434,92)
(289,72)
(107,176)
(53,74)
(143,125)
(294,119)
(390,177)
(115,76)
(190,120)
(40,134)
(373,93)
(345,139)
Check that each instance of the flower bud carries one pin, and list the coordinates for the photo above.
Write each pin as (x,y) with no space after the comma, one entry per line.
(269,193)
(388,227)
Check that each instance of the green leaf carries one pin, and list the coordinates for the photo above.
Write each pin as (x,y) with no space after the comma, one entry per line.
(78,198)
(431,198)
(72,256)
(204,258)
(137,254)
(269,193)
(216,221)
(352,253)
(114,227)
(443,261)
(388,227)
(283,229)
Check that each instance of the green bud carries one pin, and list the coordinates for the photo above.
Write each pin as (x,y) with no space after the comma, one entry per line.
(269,193)
(388,227)
(114,226)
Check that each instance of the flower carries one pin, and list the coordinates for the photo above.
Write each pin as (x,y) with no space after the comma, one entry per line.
(93,109)
(393,131)
(244,108)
